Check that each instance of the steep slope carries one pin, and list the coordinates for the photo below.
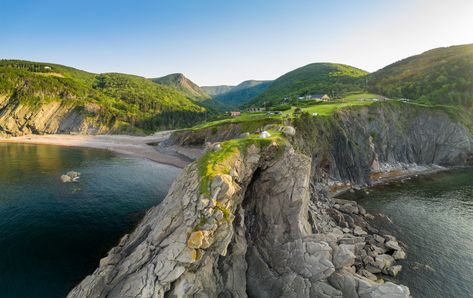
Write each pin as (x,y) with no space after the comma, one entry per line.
(316,78)
(442,76)
(216,90)
(256,218)
(49,98)
(180,82)
(243,93)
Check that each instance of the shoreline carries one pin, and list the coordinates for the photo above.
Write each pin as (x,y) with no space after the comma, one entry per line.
(121,144)
(408,174)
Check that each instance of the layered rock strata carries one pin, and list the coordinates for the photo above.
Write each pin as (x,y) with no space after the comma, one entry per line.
(259,233)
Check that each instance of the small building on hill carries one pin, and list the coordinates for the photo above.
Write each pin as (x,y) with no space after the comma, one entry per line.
(256,110)
(325,98)
(312,97)
(234,113)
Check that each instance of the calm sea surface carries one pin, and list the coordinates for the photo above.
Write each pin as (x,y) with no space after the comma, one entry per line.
(53,234)
(434,217)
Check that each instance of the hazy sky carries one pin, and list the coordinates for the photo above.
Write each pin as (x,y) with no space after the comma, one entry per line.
(227,41)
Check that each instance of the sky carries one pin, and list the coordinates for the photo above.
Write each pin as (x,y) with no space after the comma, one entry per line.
(215,42)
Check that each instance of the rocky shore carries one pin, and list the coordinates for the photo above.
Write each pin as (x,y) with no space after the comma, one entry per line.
(261,234)
(267,225)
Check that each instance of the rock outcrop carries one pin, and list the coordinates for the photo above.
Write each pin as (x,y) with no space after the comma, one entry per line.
(359,146)
(55,117)
(269,227)
(258,235)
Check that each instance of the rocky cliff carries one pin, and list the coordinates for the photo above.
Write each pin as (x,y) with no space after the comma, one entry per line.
(360,145)
(264,223)
(49,118)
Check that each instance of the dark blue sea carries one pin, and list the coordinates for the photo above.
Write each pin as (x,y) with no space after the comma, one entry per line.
(433,216)
(53,234)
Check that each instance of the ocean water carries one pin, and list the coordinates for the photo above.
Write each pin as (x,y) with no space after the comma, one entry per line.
(434,217)
(53,234)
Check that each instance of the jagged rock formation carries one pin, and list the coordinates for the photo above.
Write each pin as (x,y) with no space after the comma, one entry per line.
(255,237)
(269,228)
(356,147)
(55,117)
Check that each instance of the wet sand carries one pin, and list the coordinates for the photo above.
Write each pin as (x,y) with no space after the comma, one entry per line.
(122,144)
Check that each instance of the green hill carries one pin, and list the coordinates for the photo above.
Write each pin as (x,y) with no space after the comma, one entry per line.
(117,101)
(316,78)
(242,93)
(441,76)
(179,82)
(217,90)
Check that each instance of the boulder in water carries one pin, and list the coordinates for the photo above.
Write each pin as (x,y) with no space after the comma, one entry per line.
(70,176)
(65,178)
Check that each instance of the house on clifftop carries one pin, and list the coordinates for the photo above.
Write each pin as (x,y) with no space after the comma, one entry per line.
(234,114)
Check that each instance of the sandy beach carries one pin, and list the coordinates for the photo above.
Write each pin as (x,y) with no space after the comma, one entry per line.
(122,144)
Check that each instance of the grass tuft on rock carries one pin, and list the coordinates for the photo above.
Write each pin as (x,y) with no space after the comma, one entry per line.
(213,163)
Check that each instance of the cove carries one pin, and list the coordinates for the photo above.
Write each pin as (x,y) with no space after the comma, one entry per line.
(53,234)
(433,216)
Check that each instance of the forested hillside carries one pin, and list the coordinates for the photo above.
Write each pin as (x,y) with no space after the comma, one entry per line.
(179,82)
(242,93)
(316,78)
(119,101)
(441,76)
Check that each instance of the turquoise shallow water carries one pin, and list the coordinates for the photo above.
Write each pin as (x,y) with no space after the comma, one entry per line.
(434,217)
(53,234)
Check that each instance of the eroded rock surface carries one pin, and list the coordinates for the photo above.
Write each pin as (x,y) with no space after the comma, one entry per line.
(255,236)
(269,228)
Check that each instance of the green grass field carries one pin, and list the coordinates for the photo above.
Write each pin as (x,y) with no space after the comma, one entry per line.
(321,108)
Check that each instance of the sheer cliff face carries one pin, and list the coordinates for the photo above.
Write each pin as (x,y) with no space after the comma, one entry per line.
(356,145)
(267,229)
(263,245)
(54,117)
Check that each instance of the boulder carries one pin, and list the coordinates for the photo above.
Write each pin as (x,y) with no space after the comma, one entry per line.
(345,282)
(352,240)
(70,176)
(384,261)
(399,255)
(347,208)
(358,231)
(376,250)
(378,238)
(392,244)
(66,178)
(386,290)
(394,270)
(73,174)
(288,130)
(368,275)
(344,256)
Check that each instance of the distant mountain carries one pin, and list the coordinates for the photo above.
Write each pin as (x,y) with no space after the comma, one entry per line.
(317,78)
(216,90)
(50,98)
(242,93)
(179,82)
(442,75)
